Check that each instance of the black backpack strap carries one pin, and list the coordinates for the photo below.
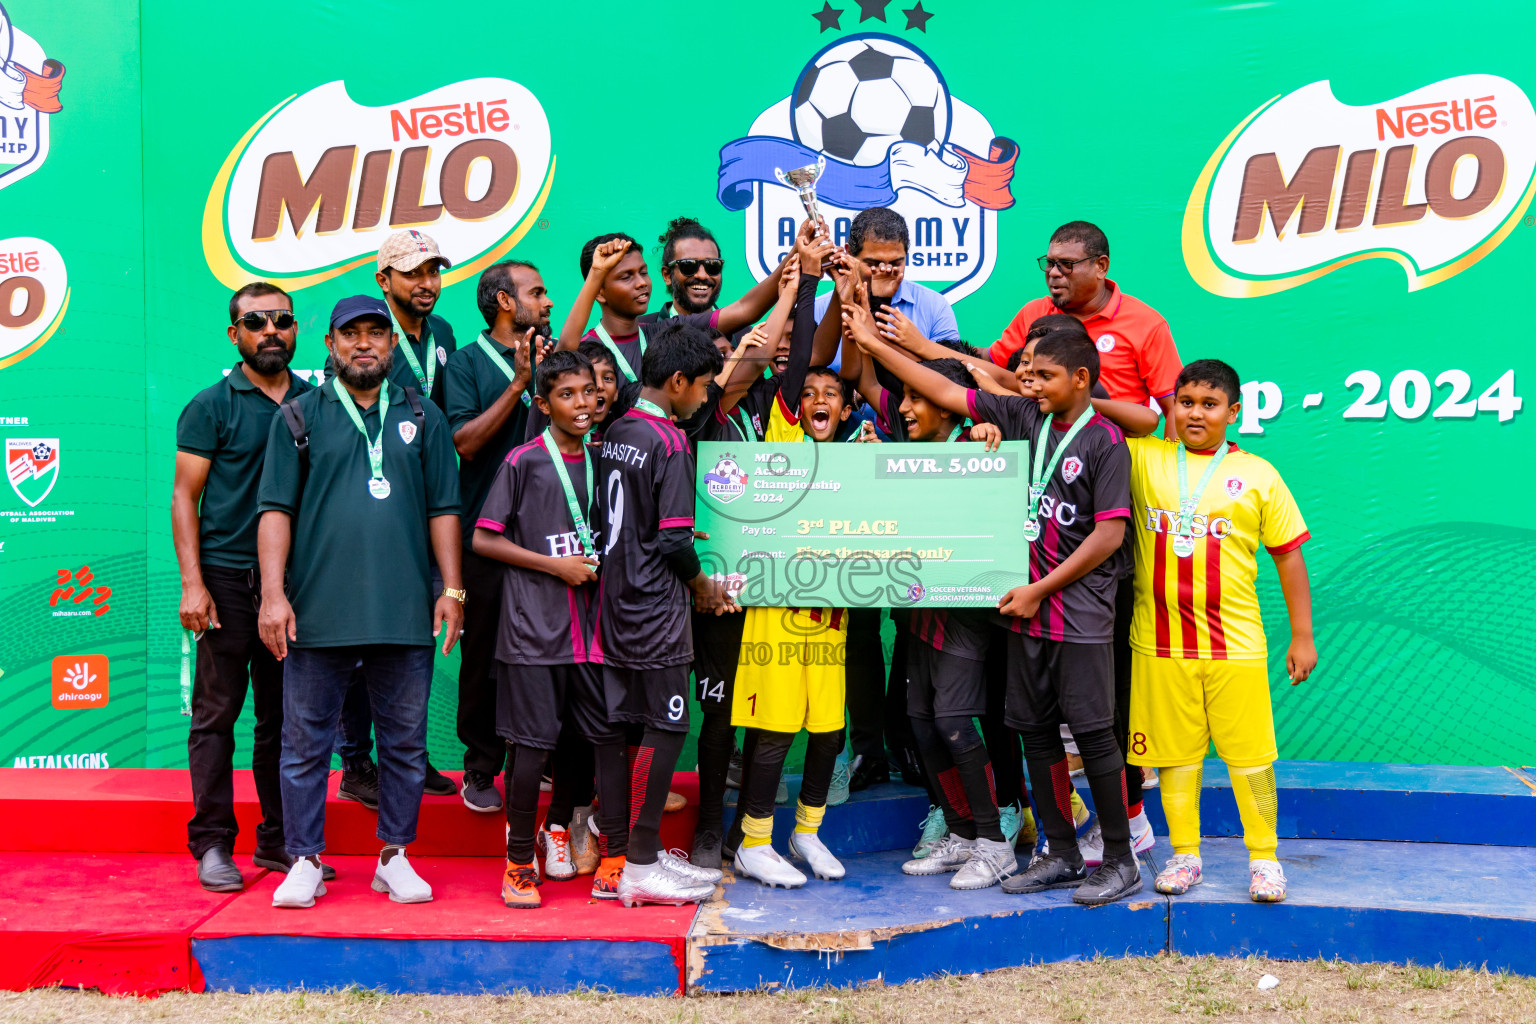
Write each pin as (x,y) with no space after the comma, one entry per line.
(293,416)
(415,402)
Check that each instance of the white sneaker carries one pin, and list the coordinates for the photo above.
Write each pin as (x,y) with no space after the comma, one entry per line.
(1142,839)
(400,880)
(554,844)
(764,864)
(808,847)
(299,889)
(989,863)
(1266,881)
(949,855)
(1091,845)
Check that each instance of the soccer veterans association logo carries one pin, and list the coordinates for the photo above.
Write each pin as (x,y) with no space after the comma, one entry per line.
(1434,180)
(877,112)
(34,294)
(32,466)
(27,99)
(727,481)
(313,186)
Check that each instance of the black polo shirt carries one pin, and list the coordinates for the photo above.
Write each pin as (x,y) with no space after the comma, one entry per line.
(434,329)
(474,384)
(358,571)
(228,424)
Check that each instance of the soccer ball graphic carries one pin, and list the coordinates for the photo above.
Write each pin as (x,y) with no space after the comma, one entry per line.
(42,451)
(728,470)
(862,96)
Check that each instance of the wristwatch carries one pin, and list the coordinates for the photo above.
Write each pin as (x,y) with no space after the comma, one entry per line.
(457,595)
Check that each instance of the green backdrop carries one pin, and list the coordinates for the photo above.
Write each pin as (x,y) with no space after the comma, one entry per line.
(1422,558)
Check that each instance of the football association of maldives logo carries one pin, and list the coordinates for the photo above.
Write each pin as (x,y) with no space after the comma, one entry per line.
(727,481)
(27,98)
(875,111)
(32,466)
(1433,180)
(314,185)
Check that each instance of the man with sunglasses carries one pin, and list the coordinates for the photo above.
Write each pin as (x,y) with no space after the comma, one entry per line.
(1137,358)
(221,443)
(692,268)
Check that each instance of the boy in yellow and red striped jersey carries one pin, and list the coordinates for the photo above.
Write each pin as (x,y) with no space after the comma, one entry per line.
(1202,506)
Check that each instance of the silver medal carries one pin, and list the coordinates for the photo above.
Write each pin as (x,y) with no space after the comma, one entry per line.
(1032,531)
(1183,545)
(379,488)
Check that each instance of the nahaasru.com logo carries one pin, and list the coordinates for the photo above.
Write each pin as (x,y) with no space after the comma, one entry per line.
(1434,180)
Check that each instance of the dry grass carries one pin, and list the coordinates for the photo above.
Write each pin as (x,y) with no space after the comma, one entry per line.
(1132,991)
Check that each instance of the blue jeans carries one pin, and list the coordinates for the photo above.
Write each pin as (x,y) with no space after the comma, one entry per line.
(315,682)
(354,740)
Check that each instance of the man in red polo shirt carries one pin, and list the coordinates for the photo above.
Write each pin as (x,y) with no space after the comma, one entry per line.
(1137,357)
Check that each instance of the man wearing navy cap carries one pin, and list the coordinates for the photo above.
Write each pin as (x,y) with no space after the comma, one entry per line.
(358,484)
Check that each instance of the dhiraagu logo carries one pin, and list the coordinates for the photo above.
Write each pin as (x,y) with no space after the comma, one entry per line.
(315,185)
(1434,180)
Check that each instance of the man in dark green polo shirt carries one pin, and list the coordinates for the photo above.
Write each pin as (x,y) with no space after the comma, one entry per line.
(410,269)
(221,441)
(489,393)
(357,508)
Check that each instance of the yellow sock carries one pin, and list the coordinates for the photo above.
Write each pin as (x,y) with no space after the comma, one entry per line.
(808,819)
(1028,835)
(1180,787)
(757,831)
(1079,810)
(1254,789)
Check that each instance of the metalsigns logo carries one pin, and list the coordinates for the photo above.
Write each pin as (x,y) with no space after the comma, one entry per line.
(34,294)
(876,111)
(1434,180)
(310,191)
(27,98)
(32,466)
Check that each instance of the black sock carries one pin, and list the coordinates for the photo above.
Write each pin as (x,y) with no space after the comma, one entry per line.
(717,739)
(975,773)
(613,799)
(650,773)
(939,769)
(1106,778)
(821,750)
(760,782)
(1052,783)
(525,766)
(571,768)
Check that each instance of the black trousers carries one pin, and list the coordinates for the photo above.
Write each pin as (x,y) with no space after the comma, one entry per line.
(229,659)
(877,698)
(484,750)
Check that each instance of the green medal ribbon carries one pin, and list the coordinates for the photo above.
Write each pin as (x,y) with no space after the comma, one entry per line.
(953,434)
(577,517)
(424,379)
(501,364)
(613,348)
(646,405)
(377,485)
(1184,529)
(1038,479)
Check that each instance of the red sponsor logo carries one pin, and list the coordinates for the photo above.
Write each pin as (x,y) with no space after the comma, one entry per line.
(80,681)
(450,119)
(1420,119)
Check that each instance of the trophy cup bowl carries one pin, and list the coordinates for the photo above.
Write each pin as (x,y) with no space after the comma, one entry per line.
(803,180)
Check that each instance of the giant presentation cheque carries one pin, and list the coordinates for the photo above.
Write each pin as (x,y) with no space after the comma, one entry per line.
(863,525)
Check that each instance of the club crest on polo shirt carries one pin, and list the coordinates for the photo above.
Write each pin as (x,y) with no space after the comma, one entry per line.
(727,481)
(1234,486)
(408,430)
(1105,343)
(875,114)
(1071,466)
(442,357)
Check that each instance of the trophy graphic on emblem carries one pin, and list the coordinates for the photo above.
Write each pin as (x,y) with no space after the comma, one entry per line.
(803,180)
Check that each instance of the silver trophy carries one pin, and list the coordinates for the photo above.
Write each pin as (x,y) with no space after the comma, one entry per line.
(803,180)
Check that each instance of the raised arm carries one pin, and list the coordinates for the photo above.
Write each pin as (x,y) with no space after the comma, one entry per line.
(1136,420)
(939,390)
(895,327)
(604,259)
(859,369)
(747,309)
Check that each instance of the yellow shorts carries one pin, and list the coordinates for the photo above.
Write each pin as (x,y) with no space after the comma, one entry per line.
(791,673)
(1179,706)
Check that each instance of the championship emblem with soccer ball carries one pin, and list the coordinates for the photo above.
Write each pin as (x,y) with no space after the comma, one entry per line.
(875,113)
(727,481)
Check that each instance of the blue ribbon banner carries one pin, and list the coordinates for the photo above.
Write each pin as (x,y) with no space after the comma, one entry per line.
(754,158)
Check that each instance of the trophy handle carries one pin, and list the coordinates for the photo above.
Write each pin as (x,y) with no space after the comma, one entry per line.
(778,172)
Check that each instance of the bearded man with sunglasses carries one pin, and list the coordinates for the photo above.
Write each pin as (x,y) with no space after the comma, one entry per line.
(1137,358)
(221,443)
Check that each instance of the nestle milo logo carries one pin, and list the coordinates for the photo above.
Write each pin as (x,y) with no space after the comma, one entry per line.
(311,188)
(1433,180)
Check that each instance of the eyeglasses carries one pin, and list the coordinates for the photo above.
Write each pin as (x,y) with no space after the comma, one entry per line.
(691,267)
(255,320)
(1065,266)
(883,267)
